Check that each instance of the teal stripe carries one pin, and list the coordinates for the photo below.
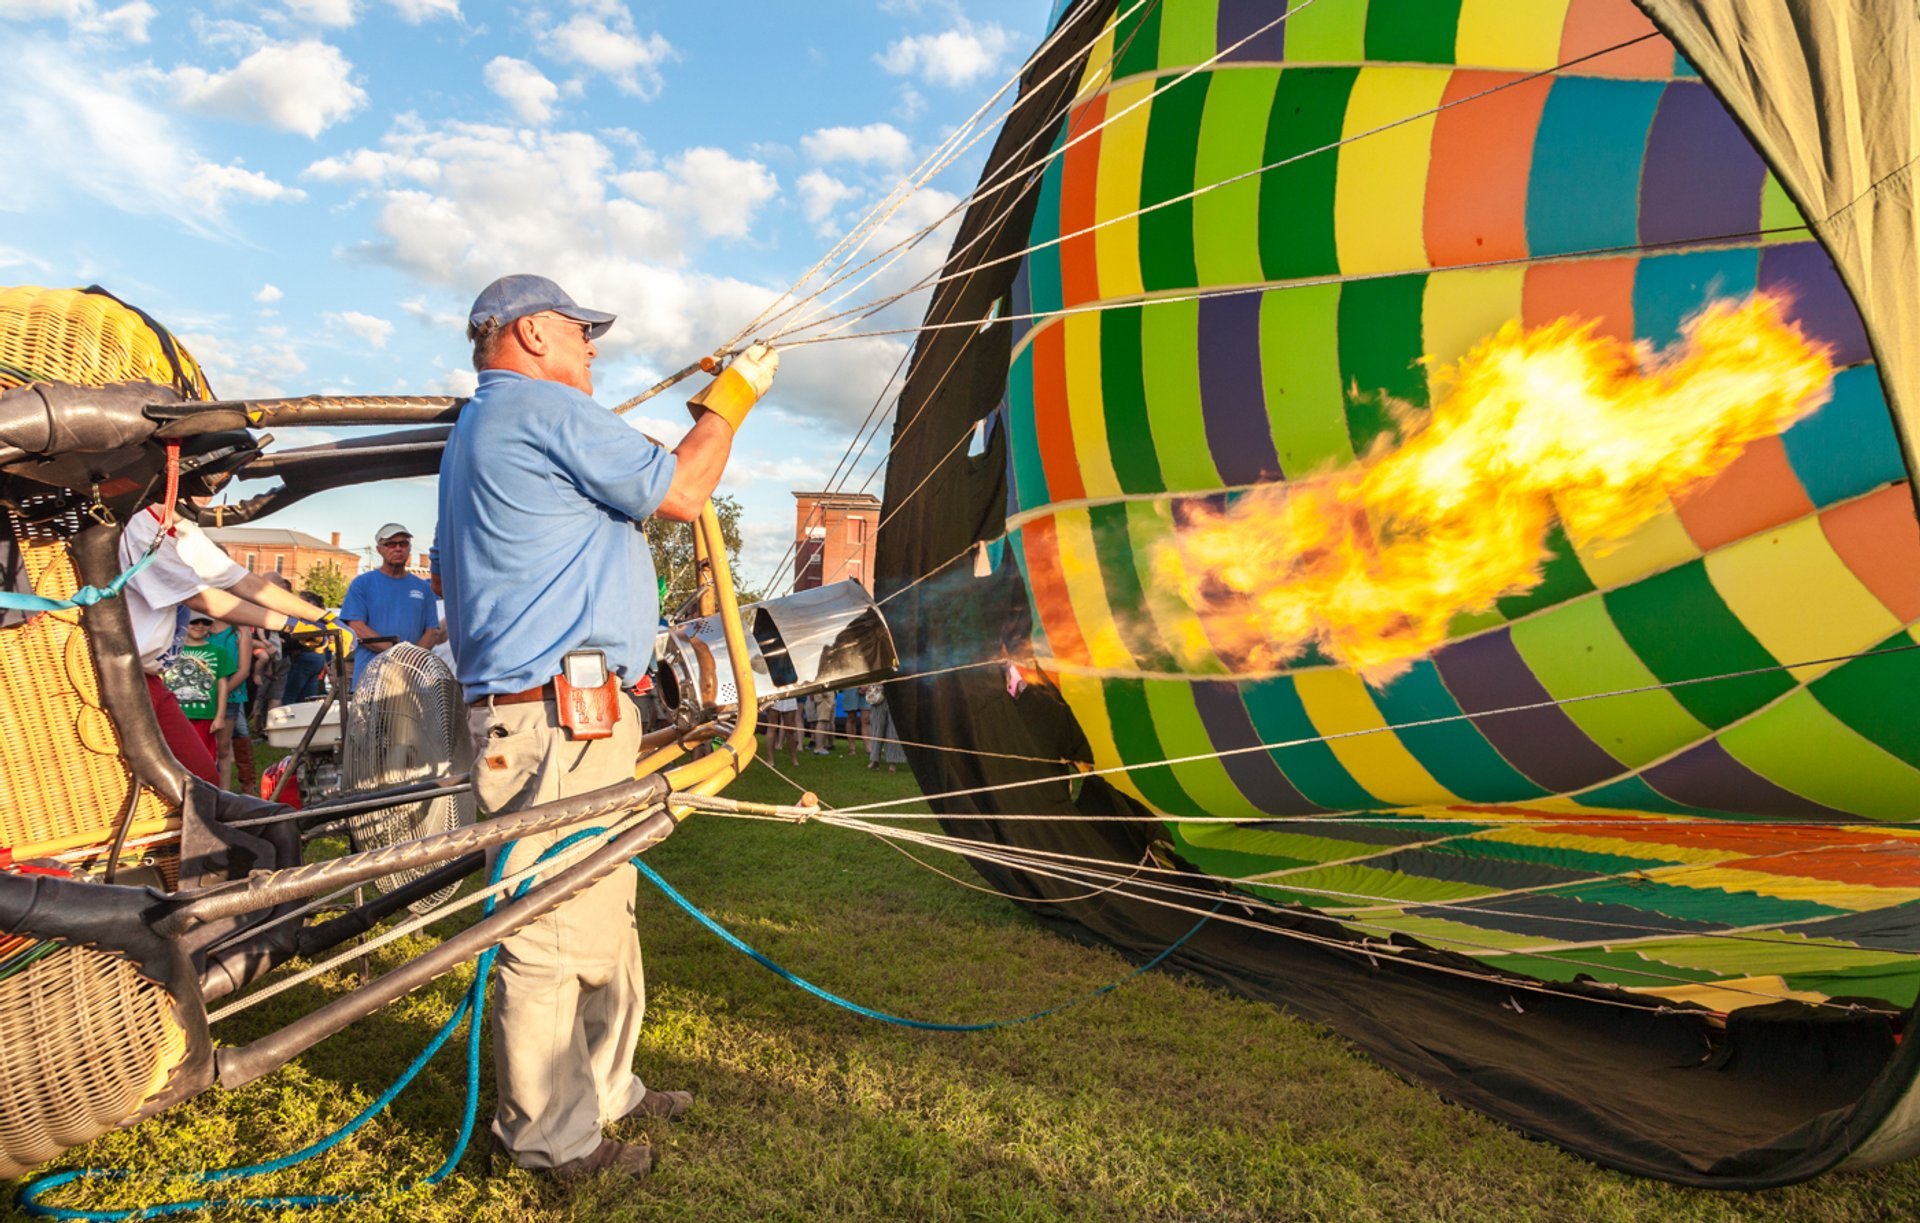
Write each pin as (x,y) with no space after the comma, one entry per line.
(1279,716)
(1023,444)
(1456,753)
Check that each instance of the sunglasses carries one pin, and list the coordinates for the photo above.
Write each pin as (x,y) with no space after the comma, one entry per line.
(586,329)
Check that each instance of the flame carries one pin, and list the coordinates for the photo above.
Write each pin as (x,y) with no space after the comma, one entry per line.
(1371,563)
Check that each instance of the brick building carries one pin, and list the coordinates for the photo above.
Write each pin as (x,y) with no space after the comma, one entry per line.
(833,538)
(292,553)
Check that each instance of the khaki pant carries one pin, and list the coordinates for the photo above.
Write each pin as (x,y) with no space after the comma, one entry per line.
(569,993)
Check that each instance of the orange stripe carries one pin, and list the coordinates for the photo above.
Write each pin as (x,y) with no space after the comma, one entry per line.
(1890,865)
(1049,587)
(1738,838)
(1079,265)
(1052,425)
(1477,179)
(1595,25)
(1596,289)
(1880,542)
(1758,490)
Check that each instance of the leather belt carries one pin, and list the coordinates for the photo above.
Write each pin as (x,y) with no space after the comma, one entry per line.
(542,692)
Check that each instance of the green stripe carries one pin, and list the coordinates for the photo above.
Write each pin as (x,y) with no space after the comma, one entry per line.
(1456,753)
(1296,199)
(1233,133)
(1380,347)
(1123,392)
(1707,904)
(1224,860)
(1278,717)
(1634,794)
(1679,626)
(1187,31)
(1023,445)
(1136,41)
(1327,32)
(1897,982)
(1412,31)
(1113,543)
(1170,362)
(1183,734)
(1575,650)
(1561,578)
(1873,695)
(1798,745)
(1300,370)
(1133,735)
(1360,884)
(1166,173)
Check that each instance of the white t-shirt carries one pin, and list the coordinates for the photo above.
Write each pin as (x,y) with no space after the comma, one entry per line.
(186,564)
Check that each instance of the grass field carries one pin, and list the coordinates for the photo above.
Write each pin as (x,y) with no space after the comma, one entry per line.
(1165,1099)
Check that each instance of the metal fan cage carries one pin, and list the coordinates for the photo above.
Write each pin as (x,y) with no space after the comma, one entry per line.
(406,723)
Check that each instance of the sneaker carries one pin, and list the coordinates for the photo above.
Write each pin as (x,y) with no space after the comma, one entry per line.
(668,1104)
(634,1159)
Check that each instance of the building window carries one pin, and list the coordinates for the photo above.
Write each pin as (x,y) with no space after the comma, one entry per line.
(253,562)
(856,529)
(280,564)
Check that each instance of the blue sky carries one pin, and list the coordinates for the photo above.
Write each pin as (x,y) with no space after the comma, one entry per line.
(311,193)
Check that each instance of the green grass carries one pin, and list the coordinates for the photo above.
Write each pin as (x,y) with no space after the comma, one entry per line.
(1165,1099)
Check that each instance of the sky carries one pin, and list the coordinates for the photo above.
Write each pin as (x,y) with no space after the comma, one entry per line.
(311,193)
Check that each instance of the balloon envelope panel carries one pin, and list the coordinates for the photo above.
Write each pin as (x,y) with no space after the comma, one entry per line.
(1237,265)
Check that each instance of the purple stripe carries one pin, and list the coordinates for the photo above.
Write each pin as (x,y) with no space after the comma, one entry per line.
(1702,176)
(1487,672)
(1821,304)
(1705,776)
(1233,401)
(1254,774)
(1239,18)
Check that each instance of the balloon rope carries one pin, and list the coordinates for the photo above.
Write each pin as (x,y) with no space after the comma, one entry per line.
(867,310)
(1030,170)
(1551,703)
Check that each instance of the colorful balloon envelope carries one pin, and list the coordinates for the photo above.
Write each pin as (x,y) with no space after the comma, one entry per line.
(1617,846)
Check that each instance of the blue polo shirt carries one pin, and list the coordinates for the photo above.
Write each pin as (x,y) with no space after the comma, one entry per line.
(400,607)
(542,492)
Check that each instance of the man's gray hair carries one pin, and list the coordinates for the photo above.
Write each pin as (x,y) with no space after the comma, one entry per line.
(486,337)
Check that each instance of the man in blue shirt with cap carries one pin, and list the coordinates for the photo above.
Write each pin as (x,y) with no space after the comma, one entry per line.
(546,574)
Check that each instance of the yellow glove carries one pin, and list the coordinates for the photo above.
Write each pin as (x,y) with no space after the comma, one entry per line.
(732,395)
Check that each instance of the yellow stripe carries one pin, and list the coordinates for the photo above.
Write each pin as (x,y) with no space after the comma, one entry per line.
(1086,410)
(1463,308)
(1123,147)
(1380,196)
(1087,592)
(1336,701)
(1502,34)
(1857,897)
(1660,544)
(1796,595)
(1099,62)
(1087,698)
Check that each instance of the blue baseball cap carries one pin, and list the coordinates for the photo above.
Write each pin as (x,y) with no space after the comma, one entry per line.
(517,296)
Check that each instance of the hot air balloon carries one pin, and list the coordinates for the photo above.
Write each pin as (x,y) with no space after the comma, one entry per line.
(1623,855)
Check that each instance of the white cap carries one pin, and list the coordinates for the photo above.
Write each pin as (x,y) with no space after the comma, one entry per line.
(389,531)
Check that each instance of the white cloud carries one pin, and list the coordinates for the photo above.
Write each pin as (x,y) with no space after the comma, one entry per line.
(64,120)
(414,12)
(875,144)
(820,194)
(710,188)
(956,58)
(375,331)
(334,13)
(608,43)
(523,87)
(453,382)
(268,294)
(302,87)
(247,371)
(85,18)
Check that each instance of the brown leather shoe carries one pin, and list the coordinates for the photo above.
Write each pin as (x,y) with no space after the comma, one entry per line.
(668,1104)
(634,1159)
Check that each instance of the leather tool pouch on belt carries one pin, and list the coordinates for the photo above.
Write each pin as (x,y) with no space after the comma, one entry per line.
(587,694)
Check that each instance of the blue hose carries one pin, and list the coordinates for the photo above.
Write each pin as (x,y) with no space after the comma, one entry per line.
(474,1005)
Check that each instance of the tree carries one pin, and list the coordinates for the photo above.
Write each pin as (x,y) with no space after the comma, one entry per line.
(672,545)
(325,581)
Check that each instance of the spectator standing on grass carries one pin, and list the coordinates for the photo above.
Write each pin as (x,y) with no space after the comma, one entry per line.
(854,702)
(820,721)
(883,740)
(783,726)
(390,602)
(232,748)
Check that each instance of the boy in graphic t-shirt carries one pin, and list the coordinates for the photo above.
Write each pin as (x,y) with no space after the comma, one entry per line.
(201,678)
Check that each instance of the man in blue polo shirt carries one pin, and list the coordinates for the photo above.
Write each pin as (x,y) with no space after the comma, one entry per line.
(390,602)
(541,556)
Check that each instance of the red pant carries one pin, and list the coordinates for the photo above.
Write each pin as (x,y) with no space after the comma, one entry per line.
(192,742)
